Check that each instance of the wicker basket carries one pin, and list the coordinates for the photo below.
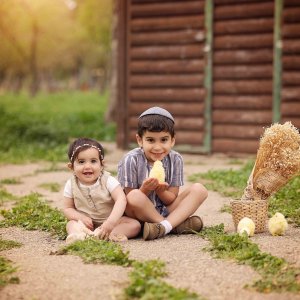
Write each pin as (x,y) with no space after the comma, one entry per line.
(267,182)
(257,211)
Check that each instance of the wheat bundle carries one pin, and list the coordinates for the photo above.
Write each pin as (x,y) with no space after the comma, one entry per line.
(277,161)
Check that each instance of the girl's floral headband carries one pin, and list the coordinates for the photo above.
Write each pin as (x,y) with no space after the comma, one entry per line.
(84,145)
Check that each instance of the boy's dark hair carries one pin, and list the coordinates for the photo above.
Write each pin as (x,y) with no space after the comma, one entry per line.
(155,123)
(81,144)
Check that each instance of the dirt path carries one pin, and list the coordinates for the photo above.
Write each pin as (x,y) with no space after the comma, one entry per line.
(45,276)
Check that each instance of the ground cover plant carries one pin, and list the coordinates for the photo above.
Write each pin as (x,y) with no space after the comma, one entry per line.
(5,196)
(231,183)
(146,278)
(41,127)
(10,181)
(98,251)
(146,283)
(51,186)
(6,267)
(8,244)
(276,274)
(32,213)
(6,271)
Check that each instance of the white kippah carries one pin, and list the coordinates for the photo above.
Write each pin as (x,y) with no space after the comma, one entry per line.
(157,111)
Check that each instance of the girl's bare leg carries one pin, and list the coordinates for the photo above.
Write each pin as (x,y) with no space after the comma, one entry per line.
(75,232)
(73,227)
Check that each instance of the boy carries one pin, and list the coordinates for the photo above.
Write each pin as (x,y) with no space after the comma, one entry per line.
(159,205)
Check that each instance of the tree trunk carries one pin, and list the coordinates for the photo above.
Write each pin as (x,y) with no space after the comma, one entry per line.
(33,68)
(110,115)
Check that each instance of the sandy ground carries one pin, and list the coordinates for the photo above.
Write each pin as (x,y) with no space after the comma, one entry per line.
(45,276)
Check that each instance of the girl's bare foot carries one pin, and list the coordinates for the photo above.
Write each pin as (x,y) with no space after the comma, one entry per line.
(83,228)
(117,237)
(73,237)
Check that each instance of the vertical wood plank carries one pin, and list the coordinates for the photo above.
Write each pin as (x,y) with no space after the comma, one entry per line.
(208,16)
(121,11)
(277,67)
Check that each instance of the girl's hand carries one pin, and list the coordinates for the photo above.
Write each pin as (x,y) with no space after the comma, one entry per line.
(149,184)
(87,221)
(104,230)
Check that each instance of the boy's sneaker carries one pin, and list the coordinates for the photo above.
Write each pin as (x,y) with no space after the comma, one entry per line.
(190,225)
(153,231)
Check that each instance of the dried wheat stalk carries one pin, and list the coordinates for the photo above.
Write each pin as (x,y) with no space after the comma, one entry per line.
(277,161)
(279,150)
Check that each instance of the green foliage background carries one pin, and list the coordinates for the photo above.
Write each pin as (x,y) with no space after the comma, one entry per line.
(42,127)
(55,38)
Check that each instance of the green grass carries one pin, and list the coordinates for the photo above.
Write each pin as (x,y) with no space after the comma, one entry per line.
(287,201)
(6,271)
(6,268)
(231,183)
(113,173)
(5,196)
(145,278)
(235,161)
(52,168)
(32,213)
(98,251)
(8,244)
(146,283)
(51,186)
(276,274)
(42,127)
(11,181)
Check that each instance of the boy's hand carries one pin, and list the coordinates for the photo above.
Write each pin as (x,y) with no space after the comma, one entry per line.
(162,187)
(149,184)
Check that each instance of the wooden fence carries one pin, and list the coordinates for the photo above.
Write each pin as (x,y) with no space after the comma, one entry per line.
(225,68)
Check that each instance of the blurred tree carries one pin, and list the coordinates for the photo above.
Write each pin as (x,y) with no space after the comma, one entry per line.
(12,51)
(46,39)
(96,18)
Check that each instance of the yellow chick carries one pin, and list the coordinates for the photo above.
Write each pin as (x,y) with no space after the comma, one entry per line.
(246,225)
(158,171)
(277,224)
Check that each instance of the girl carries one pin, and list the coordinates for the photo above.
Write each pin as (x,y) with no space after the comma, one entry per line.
(94,202)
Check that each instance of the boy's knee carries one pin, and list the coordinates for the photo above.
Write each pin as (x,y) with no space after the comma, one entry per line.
(200,190)
(134,198)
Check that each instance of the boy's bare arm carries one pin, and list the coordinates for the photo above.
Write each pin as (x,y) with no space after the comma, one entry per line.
(149,185)
(167,194)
